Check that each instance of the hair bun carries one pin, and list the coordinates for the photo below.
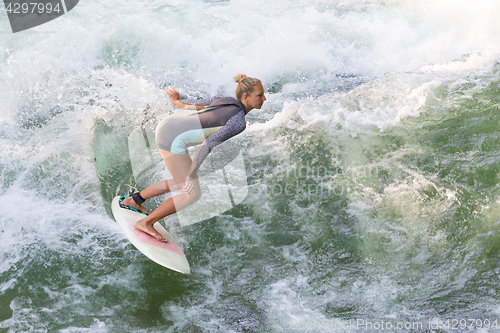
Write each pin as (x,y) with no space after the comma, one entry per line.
(239,78)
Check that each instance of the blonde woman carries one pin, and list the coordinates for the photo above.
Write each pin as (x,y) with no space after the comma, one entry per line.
(212,122)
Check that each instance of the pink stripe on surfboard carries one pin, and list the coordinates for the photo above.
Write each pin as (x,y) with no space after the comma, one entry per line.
(150,240)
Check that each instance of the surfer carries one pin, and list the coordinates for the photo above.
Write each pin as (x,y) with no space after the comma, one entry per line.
(211,122)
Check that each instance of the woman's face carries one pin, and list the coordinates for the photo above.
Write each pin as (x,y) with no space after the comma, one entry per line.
(256,98)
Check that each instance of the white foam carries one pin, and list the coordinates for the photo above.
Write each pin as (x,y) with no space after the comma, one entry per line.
(381,103)
(195,42)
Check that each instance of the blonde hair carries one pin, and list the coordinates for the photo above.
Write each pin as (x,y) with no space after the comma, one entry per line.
(245,85)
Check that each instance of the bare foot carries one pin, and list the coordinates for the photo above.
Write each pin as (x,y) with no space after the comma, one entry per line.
(128,201)
(150,230)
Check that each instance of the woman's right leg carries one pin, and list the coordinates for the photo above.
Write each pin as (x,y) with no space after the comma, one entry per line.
(179,166)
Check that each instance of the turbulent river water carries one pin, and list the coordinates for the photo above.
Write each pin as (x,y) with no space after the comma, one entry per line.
(373,168)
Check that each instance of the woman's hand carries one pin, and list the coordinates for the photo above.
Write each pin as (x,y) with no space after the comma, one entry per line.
(188,185)
(173,94)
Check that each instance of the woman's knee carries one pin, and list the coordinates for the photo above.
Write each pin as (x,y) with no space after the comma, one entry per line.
(194,196)
(172,185)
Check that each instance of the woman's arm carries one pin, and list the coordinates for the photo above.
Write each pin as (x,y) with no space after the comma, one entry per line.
(173,94)
(234,126)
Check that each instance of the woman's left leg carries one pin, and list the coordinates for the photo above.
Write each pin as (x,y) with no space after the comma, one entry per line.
(158,188)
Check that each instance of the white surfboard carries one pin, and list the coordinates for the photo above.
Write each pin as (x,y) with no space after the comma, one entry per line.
(167,254)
